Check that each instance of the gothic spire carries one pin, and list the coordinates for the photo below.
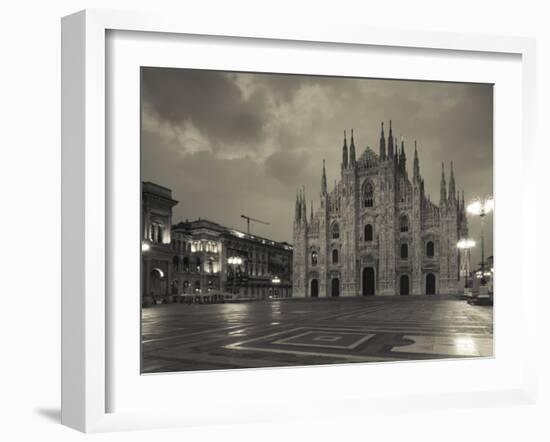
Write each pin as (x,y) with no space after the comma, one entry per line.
(416,165)
(382,143)
(352,151)
(443,191)
(452,191)
(402,156)
(390,143)
(297,208)
(345,152)
(304,209)
(324,180)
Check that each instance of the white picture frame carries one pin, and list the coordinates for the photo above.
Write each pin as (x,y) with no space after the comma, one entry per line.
(86,202)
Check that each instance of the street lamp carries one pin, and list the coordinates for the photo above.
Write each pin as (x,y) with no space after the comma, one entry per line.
(482,207)
(276,281)
(234,262)
(145,247)
(465,245)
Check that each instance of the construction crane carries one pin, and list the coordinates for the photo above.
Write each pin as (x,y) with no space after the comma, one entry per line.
(248,219)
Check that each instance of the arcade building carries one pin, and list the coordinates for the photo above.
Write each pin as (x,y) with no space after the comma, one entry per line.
(201,257)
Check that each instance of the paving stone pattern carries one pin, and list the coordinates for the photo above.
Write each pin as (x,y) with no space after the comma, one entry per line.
(181,337)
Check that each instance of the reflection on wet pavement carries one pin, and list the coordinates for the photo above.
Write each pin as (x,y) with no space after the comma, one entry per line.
(181,337)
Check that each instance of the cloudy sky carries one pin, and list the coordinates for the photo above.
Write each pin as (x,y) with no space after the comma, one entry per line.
(238,143)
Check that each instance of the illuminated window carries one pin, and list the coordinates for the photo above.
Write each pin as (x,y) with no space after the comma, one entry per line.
(157,231)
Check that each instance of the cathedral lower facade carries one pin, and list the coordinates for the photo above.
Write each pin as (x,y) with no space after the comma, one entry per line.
(377,232)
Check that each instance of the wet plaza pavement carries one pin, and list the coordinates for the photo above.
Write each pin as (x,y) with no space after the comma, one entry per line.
(182,337)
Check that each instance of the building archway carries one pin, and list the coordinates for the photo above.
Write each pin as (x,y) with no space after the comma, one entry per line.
(158,282)
(314,288)
(368,281)
(335,287)
(404,285)
(430,284)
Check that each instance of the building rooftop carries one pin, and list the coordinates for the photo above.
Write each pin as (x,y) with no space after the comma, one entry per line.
(156,189)
(189,226)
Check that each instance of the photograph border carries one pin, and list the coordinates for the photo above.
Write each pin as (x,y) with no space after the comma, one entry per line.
(85,199)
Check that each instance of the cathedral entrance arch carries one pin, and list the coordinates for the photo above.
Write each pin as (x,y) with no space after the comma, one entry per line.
(368,281)
(335,287)
(430,284)
(314,289)
(404,285)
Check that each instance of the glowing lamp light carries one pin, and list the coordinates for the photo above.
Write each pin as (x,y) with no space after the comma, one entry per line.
(145,247)
(276,280)
(235,260)
(474,208)
(465,243)
(481,206)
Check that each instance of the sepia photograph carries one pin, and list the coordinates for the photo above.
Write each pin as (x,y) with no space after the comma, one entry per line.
(299,220)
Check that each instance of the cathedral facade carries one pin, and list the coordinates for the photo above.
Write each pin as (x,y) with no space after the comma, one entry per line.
(377,232)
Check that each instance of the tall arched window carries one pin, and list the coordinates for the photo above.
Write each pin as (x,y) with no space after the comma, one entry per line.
(404,251)
(335,231)
(185,264)
(368,232)
(368,194)
(313,258)
(157,232)
(198,265)
(404,223)
(335,256)
(430,248)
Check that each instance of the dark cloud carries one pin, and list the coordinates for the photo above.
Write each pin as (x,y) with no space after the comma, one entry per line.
(285,166)
(230,143)
(211,101)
